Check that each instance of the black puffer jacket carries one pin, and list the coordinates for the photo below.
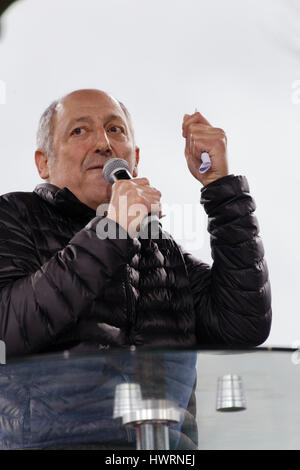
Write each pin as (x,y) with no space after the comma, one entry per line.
(61,286)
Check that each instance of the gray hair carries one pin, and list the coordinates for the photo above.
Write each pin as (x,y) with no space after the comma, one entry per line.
(44,137)
(45,132)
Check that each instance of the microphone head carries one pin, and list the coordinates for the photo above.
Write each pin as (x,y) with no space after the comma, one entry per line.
(113,165)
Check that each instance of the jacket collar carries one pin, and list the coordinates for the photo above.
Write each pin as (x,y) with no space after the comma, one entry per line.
(64,200)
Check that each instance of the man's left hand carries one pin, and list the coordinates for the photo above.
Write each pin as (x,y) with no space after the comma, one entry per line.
(202,137)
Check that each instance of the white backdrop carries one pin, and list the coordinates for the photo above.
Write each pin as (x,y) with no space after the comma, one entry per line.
(237,61)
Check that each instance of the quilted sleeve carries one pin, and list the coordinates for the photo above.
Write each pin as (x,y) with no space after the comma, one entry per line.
(38,303)
(232,298)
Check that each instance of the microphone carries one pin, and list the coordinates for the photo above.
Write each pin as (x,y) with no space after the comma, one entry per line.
(118,169)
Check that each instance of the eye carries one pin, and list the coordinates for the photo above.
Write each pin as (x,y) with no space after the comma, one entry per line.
(78,131)
(116,129)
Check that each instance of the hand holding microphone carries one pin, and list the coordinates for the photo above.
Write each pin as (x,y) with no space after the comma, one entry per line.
(134,203)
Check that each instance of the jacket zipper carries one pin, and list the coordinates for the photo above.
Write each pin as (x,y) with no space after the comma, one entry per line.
(130,299)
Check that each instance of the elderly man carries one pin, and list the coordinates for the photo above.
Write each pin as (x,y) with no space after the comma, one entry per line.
(62,286)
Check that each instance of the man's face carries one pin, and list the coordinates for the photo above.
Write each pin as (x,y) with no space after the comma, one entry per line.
(89,128)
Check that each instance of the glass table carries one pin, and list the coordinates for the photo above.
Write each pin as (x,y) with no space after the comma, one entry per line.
(152,399)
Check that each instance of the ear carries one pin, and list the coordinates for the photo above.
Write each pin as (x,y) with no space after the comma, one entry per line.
(41,161)
(137,158)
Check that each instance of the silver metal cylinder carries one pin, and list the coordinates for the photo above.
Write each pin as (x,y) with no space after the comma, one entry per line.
(128,398)
(150,417)
(230,393)
(157,410)
(152,436)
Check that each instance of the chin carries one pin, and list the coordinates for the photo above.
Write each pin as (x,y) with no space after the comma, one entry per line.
(101,197)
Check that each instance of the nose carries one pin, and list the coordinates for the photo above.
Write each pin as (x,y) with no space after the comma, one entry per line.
(103,145)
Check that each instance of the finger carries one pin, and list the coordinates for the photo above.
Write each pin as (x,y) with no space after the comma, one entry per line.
(154,196)
(156,207)
(190,143)
(202,118)
(186,118)
(195,118)
(142,181)
(196,114)
(190,140)
(201,146)
(150,189)
(195,127)
(149,194)
(195,146)
(209,142)
(202,130)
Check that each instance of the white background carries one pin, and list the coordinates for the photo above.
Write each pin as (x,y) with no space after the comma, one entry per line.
(237,61)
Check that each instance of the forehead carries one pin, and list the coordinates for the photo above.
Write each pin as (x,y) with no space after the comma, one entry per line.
(91,103)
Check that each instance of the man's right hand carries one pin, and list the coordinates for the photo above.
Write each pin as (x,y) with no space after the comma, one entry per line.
(131,201)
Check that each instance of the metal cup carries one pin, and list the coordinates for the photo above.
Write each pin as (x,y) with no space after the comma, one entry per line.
(230,393)
(128,398)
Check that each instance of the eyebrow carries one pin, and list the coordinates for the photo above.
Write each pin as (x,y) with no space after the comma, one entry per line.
(111,117)
(80,119)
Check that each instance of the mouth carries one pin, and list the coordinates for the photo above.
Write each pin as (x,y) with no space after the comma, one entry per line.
(96,167)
